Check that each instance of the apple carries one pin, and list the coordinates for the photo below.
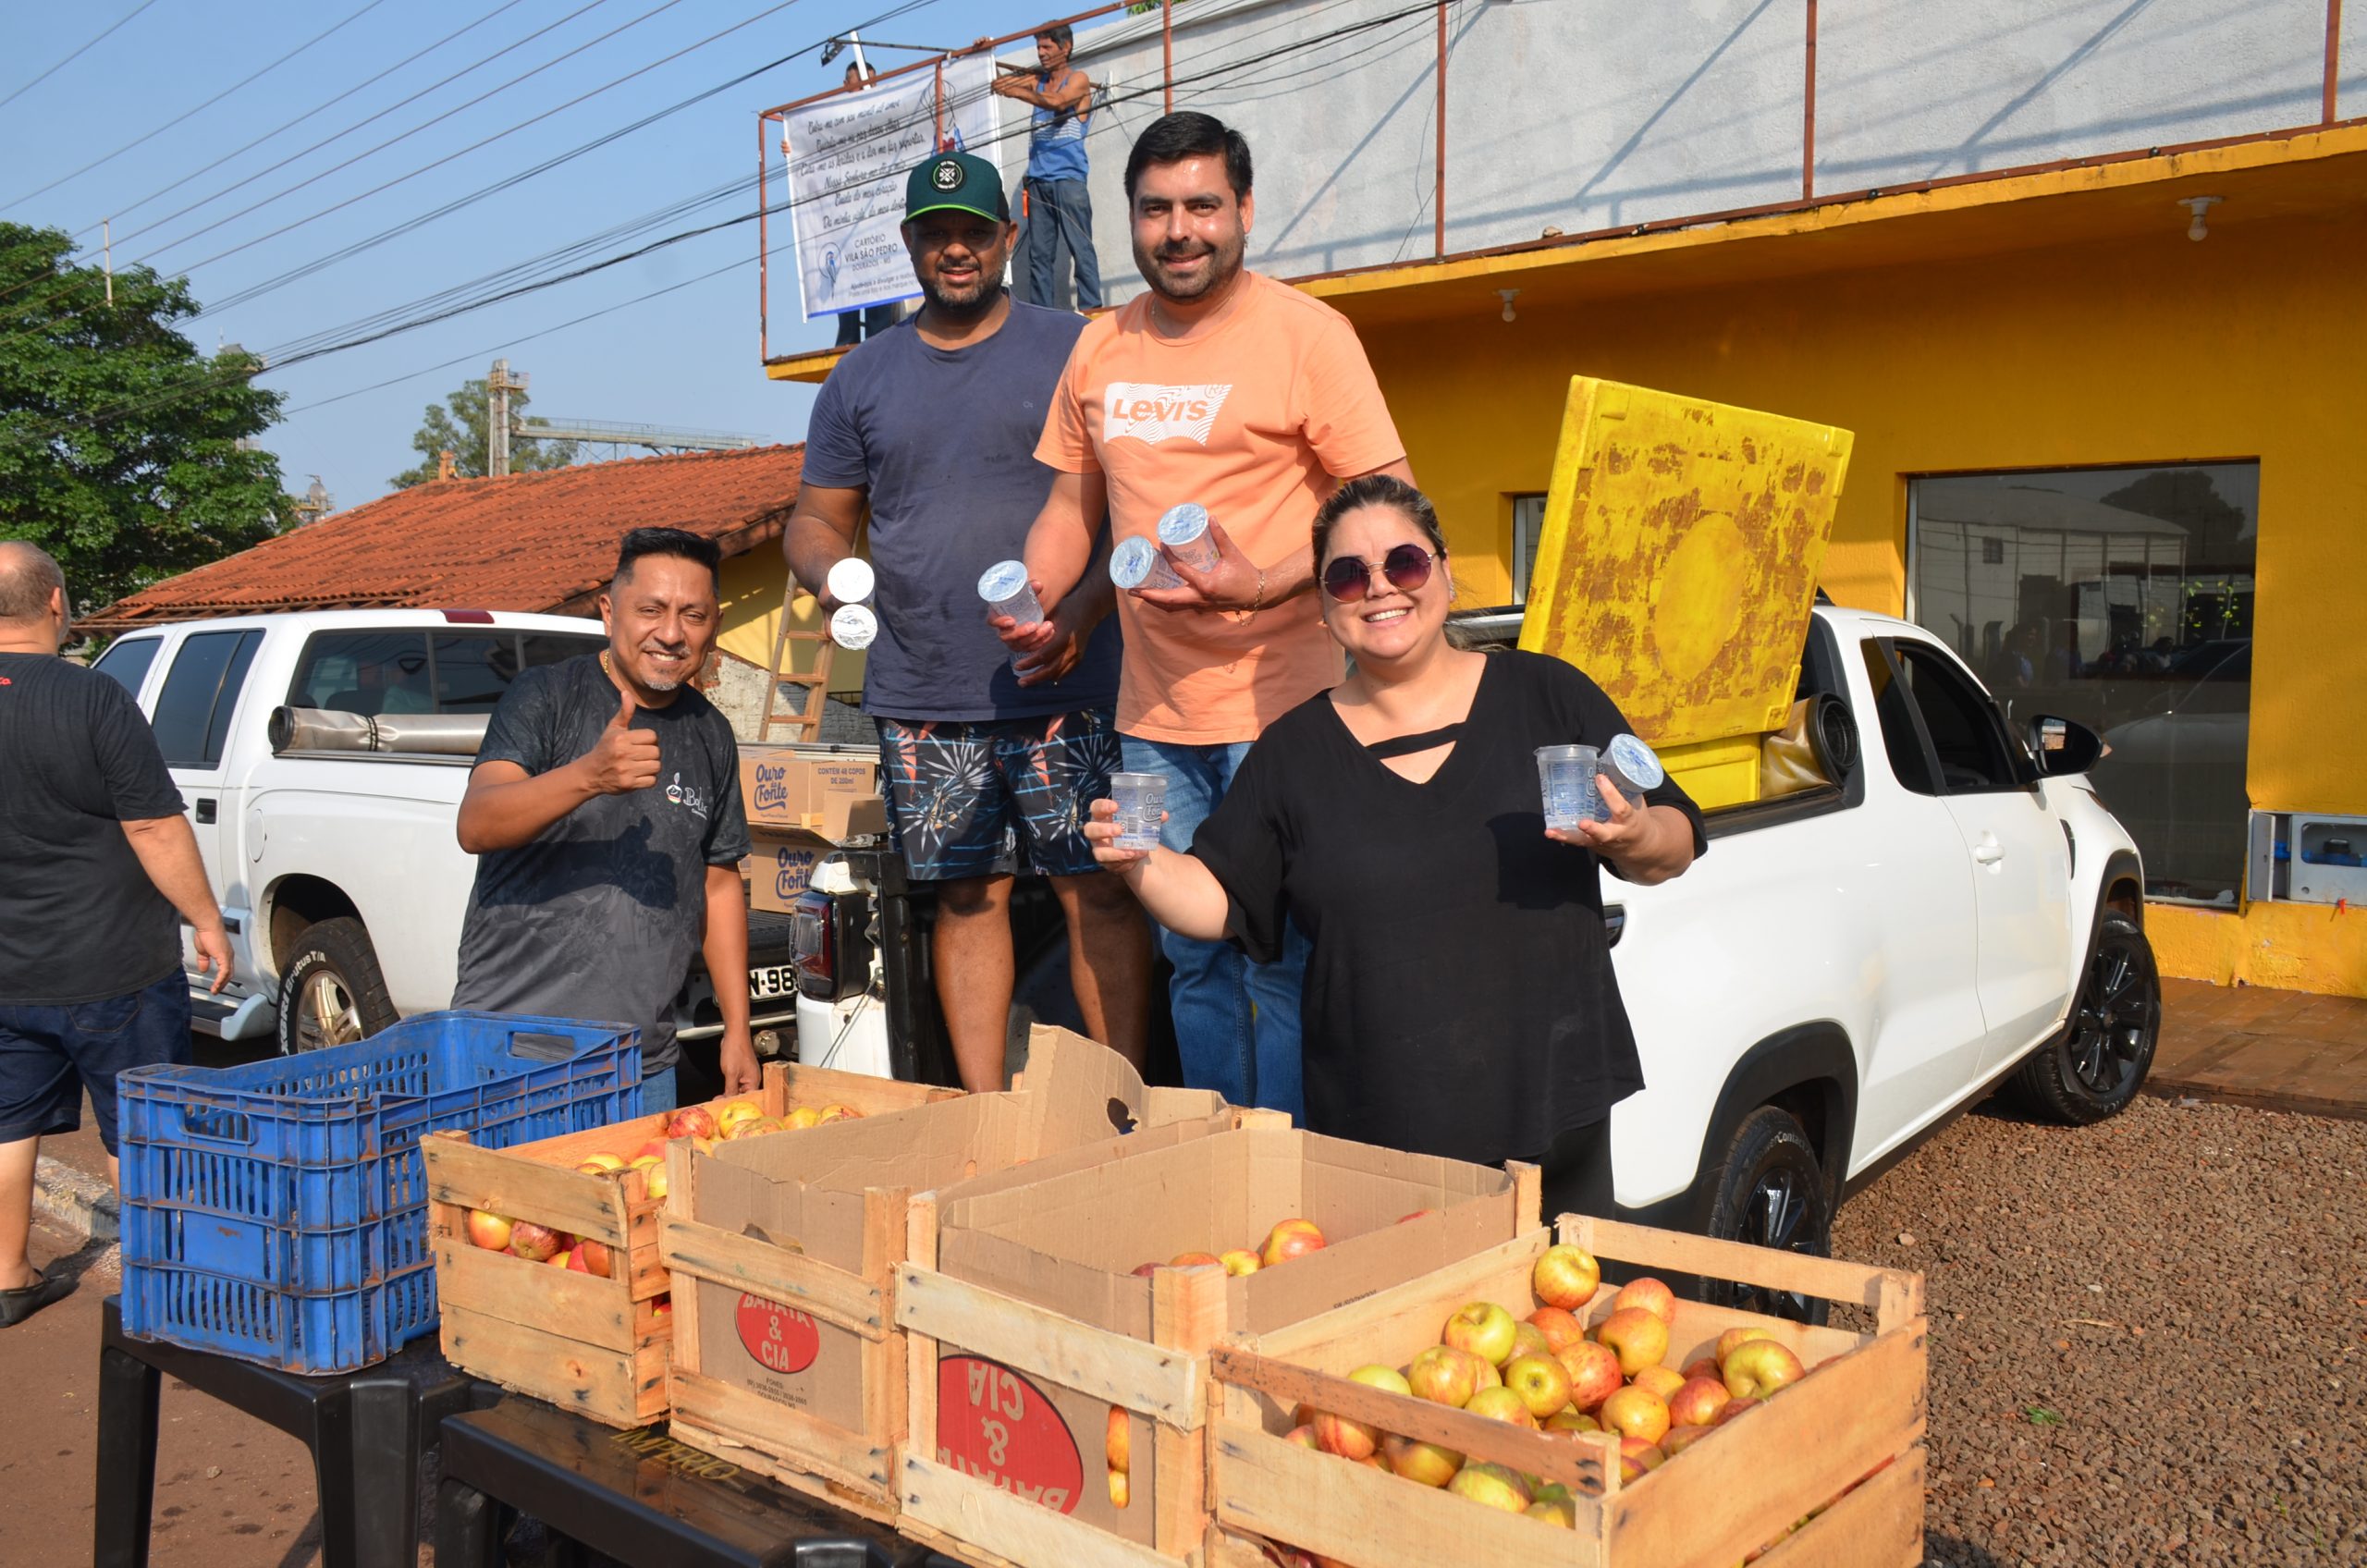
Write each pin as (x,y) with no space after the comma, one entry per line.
(1491,1484)
(1572,1422)
(1541,1382)
(1697,1403)
(762,1124)
(1374,1461)
(1557,1511)
(1304,1435)
(1758,1367)
(804,1116)
(1502,1404)
(1529,1340)
(1444,1375)
(1732,1337)
(535,1243)
(591,1258)
(1425,1464)
(1662,1380)
(1703,1367)
(561,1259)
(1639,1337)
(1732,1408)
(1484,1329)
(653,1175)
(1566,1277)
(489,1230)
(1195,1260)
(663,1306)
(1679,1439)
(1144,1270)
(1650,1294)
(1119,1444)
(736,1110)
(1635,1413)
(1636,1456)
(691,1121)
(1354,1440)
(839,1113)
(1594,1373)
(654,1149)
(1290,1239)
(1560,1327)
(599,1164)
(1119,1489)
(1239,1261)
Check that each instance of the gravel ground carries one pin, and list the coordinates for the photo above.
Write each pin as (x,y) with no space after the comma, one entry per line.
(2149,1338)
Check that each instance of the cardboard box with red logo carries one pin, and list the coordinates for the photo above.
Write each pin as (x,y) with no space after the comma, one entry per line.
(801,805)
(1060,1407)
(788,1356)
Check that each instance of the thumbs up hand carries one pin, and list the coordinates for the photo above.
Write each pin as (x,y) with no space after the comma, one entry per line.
(625,759)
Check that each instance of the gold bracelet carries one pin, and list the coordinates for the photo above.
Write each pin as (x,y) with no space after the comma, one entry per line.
(1258,601)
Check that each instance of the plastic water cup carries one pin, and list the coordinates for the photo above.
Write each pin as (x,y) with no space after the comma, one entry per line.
(1565,774)
(1634,767)
(1185,530)
(853,627)
(1136,563)
(1142,800)
(850,580)
(1005,590)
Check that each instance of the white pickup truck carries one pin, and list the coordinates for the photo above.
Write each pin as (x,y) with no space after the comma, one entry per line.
(339,874)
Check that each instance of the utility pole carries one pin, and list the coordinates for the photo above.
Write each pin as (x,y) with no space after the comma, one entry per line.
(497,388)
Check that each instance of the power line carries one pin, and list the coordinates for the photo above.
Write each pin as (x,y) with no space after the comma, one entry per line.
(74,56)
(146,136)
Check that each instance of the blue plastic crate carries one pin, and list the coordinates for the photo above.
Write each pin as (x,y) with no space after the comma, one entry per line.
(278,1211)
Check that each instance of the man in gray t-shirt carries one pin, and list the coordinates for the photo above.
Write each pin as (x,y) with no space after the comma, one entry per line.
(604,809)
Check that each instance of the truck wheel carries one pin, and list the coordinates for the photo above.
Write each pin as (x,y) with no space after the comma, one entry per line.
(331,993)
(2095,1067)
(1771,1192)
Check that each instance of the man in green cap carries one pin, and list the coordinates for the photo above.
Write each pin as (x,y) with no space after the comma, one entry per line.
(990,763)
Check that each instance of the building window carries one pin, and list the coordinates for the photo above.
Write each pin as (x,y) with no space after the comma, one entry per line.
(1528,523)
(2121,598)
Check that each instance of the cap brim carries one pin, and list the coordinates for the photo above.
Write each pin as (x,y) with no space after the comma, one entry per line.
(955,207)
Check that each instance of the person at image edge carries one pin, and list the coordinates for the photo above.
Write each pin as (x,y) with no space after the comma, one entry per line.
(605,810)
(99,859)
(1480,1021)
(1226,388)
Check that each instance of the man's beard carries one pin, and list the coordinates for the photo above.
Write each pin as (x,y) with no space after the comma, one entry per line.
(1225,265)
(971,302)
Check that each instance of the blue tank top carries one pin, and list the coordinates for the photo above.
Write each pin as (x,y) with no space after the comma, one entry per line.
(1056,141)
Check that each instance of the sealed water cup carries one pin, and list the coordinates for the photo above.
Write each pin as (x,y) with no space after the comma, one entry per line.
(1136,563)
(850,580)
(1142,800)
(1185,530)
(1633,766)
(1005,590)
(853,627)
(1565,775)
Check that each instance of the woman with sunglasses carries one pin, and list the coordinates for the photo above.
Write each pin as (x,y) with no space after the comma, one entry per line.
(1460,999)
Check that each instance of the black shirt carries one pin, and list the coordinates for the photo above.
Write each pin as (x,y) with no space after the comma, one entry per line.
(79,921)
(601,914)
(1460,999)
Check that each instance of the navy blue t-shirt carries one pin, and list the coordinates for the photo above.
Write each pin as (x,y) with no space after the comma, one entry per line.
(944,441)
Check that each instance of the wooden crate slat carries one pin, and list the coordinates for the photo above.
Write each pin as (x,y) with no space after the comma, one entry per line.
(1769,1267)
(562,1197)
(1879,1526)
(1740,1487)
(704,1252)
(1158,1382)
(705,1406)
(1470,1280)
(577,1306)
(611,1384)
(964,1510)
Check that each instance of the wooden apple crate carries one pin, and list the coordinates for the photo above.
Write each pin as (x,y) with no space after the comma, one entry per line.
(1165,1380)
(596,1346)
(1846,1439)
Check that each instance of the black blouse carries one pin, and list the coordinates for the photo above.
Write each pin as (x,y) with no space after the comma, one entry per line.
(1460,999)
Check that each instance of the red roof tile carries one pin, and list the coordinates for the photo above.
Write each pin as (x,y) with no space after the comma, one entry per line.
(540,542)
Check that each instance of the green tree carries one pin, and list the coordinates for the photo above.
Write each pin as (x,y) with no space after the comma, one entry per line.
(124,451)
(458,426)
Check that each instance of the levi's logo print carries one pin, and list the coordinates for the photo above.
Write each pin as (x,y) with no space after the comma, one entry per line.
(1149,411)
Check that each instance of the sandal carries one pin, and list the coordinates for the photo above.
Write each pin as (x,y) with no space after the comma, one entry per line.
(22,1303)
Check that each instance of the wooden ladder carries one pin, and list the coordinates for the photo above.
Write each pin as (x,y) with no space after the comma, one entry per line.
(808,721)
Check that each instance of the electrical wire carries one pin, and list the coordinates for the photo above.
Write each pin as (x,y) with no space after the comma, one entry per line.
(78,53)
(144,138)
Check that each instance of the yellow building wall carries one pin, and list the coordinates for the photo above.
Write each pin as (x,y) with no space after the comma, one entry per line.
(2249,345)
(752,598)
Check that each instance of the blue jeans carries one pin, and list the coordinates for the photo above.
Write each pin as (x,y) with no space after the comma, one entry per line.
(49,1055)
(1063,207)
(1236,1022)
(657,1091)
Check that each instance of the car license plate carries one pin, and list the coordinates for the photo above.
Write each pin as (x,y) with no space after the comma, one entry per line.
(781,980)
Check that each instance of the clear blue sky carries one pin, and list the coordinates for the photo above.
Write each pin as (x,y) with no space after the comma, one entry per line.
(688,358)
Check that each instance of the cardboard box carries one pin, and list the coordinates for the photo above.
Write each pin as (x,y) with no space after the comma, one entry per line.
(833,793)
(780,863)
(787,1357)
(597,1346)
(1843,1443)
(1034,1336)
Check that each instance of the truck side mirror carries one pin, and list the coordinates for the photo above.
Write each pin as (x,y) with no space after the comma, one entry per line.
(2064,747)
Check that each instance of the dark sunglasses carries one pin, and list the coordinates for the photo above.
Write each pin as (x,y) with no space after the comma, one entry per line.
(1408,567)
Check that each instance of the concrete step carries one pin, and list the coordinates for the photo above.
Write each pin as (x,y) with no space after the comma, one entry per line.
(76,1199)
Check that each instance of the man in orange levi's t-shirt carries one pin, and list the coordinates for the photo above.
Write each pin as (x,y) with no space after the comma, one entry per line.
(1226,388)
